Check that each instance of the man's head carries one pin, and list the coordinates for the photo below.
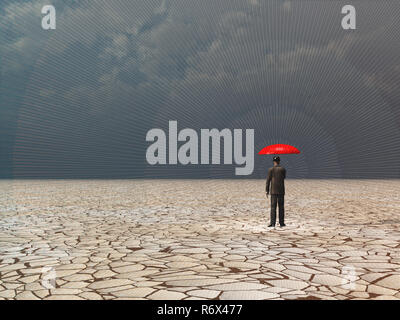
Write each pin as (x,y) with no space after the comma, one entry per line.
(276,160)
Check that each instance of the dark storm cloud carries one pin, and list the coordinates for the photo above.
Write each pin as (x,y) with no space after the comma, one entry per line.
(115,69)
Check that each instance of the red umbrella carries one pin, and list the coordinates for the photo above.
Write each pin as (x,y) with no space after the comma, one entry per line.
(279,149)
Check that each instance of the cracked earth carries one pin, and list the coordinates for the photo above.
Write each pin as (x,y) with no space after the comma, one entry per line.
(198,239)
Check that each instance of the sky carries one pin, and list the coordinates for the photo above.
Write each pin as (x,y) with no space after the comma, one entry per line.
(78,101)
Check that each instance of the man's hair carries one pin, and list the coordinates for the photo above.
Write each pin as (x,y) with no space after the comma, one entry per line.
(277,159)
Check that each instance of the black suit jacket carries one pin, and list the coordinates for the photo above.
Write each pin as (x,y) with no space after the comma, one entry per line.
(276,180)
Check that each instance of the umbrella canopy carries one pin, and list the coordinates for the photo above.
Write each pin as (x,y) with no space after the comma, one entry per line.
(279,149)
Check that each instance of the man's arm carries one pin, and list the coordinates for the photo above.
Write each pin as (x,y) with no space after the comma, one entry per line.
(269,178)
(284,173)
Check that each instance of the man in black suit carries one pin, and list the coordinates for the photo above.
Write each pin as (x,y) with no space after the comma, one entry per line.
(276,183)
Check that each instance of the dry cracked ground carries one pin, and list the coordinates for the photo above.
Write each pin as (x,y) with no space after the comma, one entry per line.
(198,239)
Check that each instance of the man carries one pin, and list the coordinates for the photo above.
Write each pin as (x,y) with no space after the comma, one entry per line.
(276,183)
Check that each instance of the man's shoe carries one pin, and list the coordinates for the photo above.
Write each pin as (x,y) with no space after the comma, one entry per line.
(283,225)
(271,225)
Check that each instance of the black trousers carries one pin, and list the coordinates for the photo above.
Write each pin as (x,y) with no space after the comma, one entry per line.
(278,199)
